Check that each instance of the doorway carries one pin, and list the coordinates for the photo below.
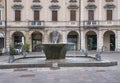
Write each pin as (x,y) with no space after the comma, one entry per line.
(112,42)
(36,42)
(92,42)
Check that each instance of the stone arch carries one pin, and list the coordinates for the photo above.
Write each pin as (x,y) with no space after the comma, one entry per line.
(2,40)
(109,40)
(36,38)
(114,31)
(95,31)
(18,40)
(73,40)
(91,40)
(31,32)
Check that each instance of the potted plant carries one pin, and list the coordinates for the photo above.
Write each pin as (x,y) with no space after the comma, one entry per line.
(25,49)
(0,52)
(12,52)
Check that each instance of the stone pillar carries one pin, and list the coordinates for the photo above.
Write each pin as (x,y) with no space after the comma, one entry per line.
(118,9)
(118,41)
(28,40)
(100,9)
(99,40)
(82,10)
(82,40)
(8,40)
(64,37)
(78,42)
(46,37)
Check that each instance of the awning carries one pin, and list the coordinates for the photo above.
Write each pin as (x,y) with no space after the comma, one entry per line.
(2,35)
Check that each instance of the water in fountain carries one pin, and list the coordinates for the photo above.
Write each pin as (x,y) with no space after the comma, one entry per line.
(55,37)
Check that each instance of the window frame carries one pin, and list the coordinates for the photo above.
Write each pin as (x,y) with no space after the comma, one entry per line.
(15,16)
(34,15)
(56,16)
(91,18)
(107,15)
(73,18)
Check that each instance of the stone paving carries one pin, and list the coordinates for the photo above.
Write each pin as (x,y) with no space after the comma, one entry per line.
(64,74)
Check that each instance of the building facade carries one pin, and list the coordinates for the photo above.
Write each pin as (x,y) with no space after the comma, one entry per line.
(2,24)
(85,24)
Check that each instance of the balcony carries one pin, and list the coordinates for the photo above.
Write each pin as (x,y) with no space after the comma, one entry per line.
(36,24)
(2,24)
(91,23)
(110,23)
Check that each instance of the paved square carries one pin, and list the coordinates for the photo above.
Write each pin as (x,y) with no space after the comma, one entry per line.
(64,74)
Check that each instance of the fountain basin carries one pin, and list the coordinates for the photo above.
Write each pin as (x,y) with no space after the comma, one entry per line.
(33,62)
(42,60)
(54,51)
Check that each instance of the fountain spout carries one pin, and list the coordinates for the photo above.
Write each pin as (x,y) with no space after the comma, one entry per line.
(55,37)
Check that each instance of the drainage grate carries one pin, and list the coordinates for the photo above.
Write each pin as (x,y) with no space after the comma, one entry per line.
(20,69)
(100,70)
(54,66)
(28,75)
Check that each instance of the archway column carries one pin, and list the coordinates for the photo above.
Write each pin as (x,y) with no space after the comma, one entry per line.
(82,40)
(46,37)
(28,40)
(79,42)
(8,40)
(118,41)
(64,37)
(100,40)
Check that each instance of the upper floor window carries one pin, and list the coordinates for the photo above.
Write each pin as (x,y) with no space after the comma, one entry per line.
(73,0)
(17,0)
(90,14)
(0,14)
(36,15)
(17,15)
(91,0)
(54,1)
(36,0)
(109,15)
(54,15)
(72,15)
(109,0)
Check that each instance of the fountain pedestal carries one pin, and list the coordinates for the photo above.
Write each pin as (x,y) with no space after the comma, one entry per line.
(55,51)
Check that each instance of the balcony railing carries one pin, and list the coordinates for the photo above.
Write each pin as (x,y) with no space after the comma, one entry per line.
(2,24)
(36,23)
(41,24)
(110,23)
(91,23)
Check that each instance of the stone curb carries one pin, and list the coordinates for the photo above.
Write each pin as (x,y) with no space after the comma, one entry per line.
(95,64)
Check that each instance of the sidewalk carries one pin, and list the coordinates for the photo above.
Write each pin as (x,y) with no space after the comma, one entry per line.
(63,75)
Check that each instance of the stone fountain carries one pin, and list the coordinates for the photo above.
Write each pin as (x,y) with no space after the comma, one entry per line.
(55,50)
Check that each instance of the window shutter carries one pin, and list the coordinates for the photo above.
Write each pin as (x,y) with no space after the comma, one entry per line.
(36,15)
(72,15)
(54,15)
(109,14)
(17,15)
(90,14)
